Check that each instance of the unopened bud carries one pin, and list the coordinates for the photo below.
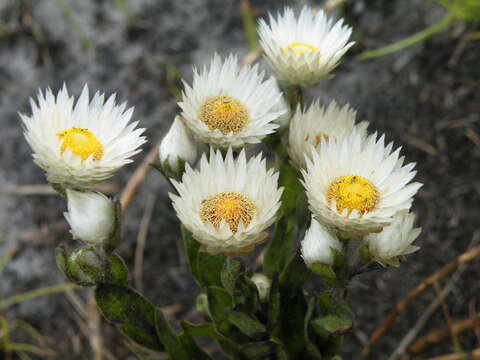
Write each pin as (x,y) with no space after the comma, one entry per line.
(319,245)
(263,284)
(176,147)
(91,216)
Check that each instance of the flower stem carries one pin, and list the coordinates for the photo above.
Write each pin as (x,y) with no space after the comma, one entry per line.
(442,25)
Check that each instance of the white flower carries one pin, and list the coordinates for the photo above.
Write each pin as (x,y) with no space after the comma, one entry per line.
(395,240)
(83,144)
(303,51)
(318,245)
(228,203)
(178,145)
(91,216)
(263,284)
(309,127)
(357,185)
(230,107)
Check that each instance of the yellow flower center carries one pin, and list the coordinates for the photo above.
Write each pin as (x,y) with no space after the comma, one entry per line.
(224,113)
(81,142)
(230,206)
(353,192)
(318,138)
(300,48)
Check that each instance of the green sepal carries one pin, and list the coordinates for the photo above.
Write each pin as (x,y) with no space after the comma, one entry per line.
(231,271)
(169,338)
(130,311)
(326,272)
(59,188)
(166,170)
(247,324)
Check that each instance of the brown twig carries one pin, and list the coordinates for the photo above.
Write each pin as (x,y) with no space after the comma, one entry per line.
(473,312)
(422,320)
(473,136)
(444,271)
(438,335)
(137,179)
(141,242)
(446,315)
(474,355)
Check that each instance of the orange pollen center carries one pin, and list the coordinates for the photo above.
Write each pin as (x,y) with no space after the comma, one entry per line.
(230,206)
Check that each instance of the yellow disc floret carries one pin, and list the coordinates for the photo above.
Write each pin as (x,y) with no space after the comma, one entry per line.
(81,142)
(353,192)
(300,48)
(230,206)
(224,113)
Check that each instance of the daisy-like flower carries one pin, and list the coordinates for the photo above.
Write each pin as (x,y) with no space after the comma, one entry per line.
(303,51)
(357,185)
(228,203)
(395,240)
(80,144)
(226,106)
(309,127)
(318,245)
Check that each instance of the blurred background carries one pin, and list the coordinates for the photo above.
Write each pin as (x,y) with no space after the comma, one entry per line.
(425,97)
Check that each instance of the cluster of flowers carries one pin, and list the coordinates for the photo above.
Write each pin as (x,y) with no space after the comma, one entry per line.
(356,185)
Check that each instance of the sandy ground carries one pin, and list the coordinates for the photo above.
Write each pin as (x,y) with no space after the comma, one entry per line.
(426,99)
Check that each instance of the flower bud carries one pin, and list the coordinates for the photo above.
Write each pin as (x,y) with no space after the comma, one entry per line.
(395,240)
(263,284)
(178,145)
(319,244)
(91,216)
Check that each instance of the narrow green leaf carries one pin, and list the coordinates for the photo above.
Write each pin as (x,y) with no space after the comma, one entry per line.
(284,241)
(295,272)
(247,324)
(274,304)
(169,338)
(230,273)
(219,302)
(192,248)
(117,271)
(258,350)
(313,350)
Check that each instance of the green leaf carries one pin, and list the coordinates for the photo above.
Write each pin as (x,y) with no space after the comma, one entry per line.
(206,330)
(230,273)
(332,324)
(274,304)
(247,295)
(169,338)
(295,272)
(326,272)
(129,310)
(314,351)
(210,267)
(284,240)
(192,248)
(140,336)
(194,351)
(247,324)
(258,350)
(117,272)
(219,302)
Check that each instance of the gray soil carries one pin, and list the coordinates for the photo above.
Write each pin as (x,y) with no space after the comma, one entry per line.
(426,99)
